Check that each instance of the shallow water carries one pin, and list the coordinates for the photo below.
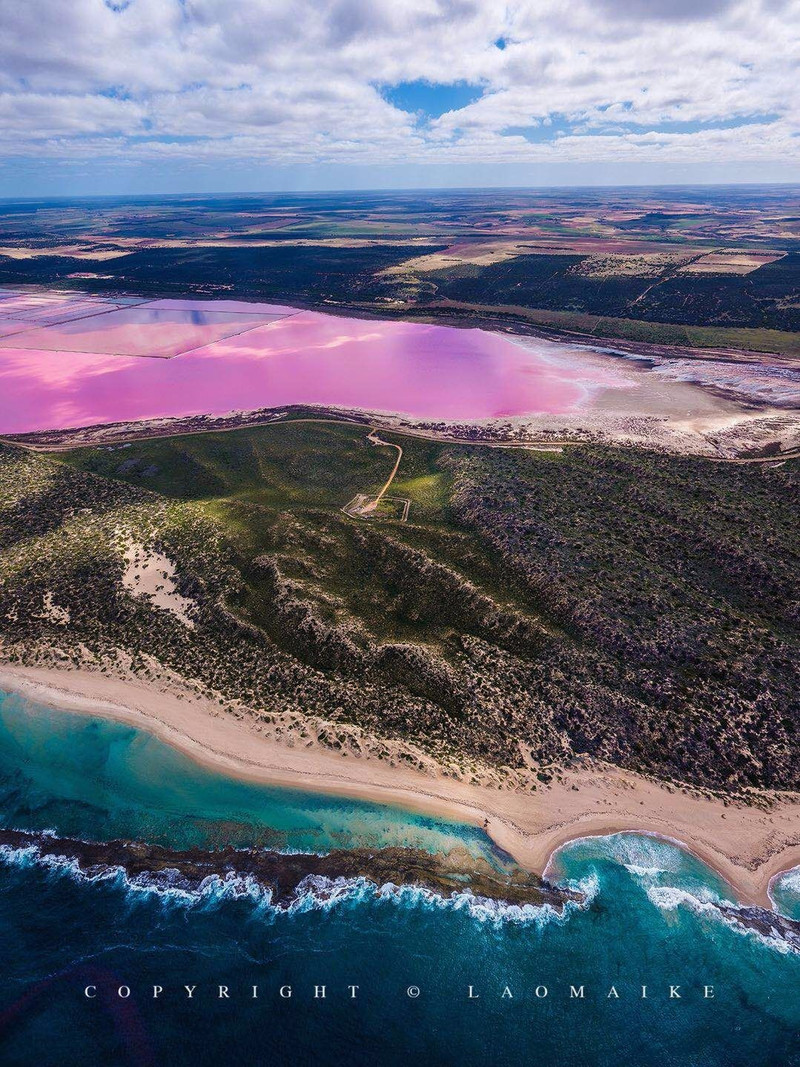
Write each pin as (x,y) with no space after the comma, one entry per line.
(785,893)
(650,921)
(89,369)
(100,780)
(144,330)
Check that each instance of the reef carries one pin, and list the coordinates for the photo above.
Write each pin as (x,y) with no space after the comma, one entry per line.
(769,924)
(284,874)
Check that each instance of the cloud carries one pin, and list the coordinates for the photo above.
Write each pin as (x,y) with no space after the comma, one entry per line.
(327,81)
(669,10)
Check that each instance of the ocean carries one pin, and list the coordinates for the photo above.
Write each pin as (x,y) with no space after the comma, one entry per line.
(396,966)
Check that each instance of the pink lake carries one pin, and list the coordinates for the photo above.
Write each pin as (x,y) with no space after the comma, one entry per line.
(136,331)
(423,371)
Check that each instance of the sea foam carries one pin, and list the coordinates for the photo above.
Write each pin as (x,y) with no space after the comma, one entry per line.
(705,903)
(314,892)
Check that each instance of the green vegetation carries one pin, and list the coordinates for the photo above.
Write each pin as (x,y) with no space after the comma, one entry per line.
(276,493)
(638,607)
(606,262)
(302,465)
(765,298)
(657,333)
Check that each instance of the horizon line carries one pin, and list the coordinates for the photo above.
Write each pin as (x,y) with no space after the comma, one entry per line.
(388,190)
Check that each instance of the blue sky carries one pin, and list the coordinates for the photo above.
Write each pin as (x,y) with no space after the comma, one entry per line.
(427,100)
(153,96)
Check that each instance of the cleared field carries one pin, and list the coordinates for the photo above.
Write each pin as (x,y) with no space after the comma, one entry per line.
(285,465)
(702,258)
(731,261)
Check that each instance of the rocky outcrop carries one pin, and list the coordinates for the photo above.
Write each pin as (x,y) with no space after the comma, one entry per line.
(284,874)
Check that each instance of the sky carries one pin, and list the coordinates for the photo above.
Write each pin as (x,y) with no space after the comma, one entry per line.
(201,96)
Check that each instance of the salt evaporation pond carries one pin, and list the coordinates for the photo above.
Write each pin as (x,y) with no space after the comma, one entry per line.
(72,360)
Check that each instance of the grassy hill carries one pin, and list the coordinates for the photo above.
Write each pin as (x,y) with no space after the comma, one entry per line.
(637,607)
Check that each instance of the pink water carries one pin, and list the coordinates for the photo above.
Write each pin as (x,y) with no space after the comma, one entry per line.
(145,330)
(425,371)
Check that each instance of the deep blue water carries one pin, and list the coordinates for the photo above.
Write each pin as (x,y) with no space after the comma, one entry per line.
(650,921)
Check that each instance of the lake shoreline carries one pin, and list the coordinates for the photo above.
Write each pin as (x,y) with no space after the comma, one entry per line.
(745,845)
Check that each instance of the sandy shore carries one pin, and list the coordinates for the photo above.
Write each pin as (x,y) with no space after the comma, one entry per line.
(746,845)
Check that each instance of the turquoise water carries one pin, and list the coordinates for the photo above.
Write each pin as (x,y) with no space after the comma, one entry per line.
(650,921)
(100,780)
(785,892)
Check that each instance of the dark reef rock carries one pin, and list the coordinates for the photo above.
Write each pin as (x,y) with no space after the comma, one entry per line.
(283,874)
(768,923)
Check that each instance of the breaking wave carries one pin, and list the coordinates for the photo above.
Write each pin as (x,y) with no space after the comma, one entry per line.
(315,892)
(789,880)
(706,903)
(784,892)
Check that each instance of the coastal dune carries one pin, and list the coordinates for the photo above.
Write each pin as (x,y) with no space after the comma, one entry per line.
(748,845)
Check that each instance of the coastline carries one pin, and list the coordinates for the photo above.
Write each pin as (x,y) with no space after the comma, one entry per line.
(720,436)
(748,846)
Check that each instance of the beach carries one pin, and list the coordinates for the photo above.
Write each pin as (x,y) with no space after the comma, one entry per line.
(747,845)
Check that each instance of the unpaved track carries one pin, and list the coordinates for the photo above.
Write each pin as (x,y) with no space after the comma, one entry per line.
(421,435)
(373,437)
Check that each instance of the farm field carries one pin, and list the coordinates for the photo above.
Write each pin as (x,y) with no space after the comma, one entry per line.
(707,267)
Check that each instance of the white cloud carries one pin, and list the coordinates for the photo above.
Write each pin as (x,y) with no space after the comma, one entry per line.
(297,82)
